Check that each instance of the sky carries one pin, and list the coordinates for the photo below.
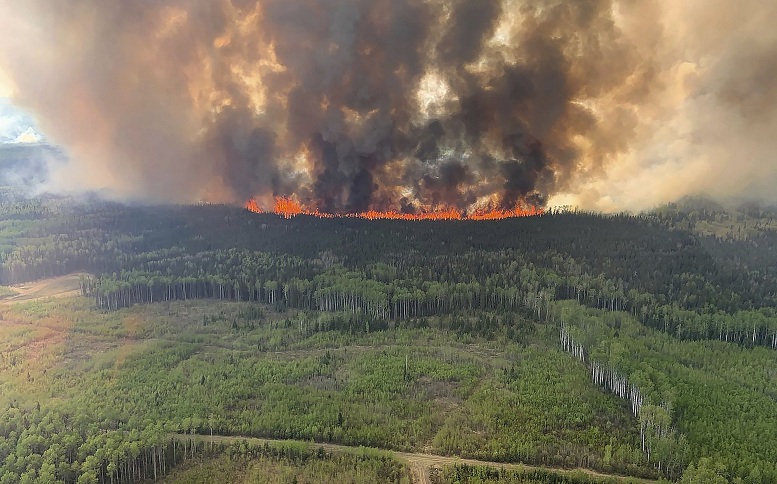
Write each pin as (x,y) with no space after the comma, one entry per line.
(17,126)
(409,104)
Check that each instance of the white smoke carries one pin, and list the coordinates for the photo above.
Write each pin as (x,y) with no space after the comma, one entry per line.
(16,126)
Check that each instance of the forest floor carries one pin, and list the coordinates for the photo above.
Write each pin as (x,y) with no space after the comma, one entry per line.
(420,464)
(62,286)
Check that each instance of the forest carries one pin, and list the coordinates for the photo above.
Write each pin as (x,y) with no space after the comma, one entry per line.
(631,345)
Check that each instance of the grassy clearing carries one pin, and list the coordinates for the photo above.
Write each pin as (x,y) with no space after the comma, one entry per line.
(6,292)
(282,463)
(244,369)
(62,286)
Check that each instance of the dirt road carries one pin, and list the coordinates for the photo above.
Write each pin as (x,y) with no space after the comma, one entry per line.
(420,464)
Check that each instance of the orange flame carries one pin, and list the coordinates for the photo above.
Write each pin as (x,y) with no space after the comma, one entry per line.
(288,208)
(252,206)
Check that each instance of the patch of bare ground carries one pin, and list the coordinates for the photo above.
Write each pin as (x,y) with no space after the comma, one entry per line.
(61,286)
(35,348)
(443,393)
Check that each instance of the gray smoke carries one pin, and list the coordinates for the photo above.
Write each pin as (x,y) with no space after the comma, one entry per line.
(386,104)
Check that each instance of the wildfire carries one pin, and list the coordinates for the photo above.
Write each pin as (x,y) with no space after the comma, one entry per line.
(288,208)
(252,206)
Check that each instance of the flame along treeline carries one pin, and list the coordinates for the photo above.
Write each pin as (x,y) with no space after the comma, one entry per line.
(288,208)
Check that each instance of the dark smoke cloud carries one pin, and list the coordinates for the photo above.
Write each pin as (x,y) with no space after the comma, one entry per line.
(354,104)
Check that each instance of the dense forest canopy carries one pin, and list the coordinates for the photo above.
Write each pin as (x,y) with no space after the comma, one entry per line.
(633,344)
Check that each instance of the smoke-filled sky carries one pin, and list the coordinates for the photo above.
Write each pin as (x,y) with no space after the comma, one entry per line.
(402,104)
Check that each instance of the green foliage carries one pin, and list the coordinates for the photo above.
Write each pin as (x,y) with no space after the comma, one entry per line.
(6,292)
(401,388)
(438,336)
(276,463)
(543,405)
(705,472)
(722,397)
(465,474)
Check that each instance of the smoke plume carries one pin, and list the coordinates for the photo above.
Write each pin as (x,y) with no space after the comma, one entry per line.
(410,105)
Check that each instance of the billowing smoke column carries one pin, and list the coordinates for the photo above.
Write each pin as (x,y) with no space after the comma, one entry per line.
(346,105)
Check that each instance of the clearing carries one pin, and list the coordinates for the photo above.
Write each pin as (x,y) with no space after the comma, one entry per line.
(61,286)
